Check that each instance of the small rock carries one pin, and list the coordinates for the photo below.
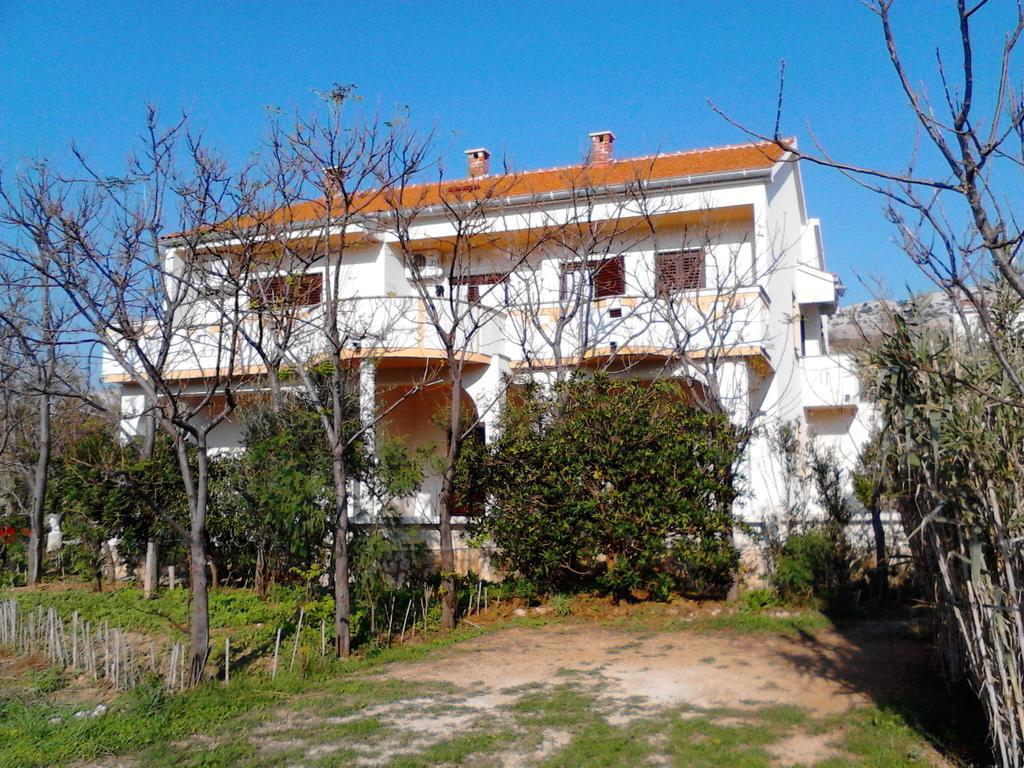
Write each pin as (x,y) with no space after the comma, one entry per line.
(716,611)
(55,720)
(519,611)
(542,609)
(101,709)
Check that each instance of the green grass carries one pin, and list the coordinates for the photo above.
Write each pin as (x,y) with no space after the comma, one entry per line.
(250,621)
(336,707)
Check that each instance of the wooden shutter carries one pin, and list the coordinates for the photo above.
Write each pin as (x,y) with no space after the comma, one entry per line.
(288,290)
(609,278)
(473,283)
(679,270)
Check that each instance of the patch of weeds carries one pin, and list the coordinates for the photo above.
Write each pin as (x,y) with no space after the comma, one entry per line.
(225,755)
(782,715)
(561,604)
(563,706)
(882,739)
(332,758)
(795,624)
(457,749)
(708,660)
(524,688)
(348,696)
(49,680)
(701,743)
(602,745)
(759,599)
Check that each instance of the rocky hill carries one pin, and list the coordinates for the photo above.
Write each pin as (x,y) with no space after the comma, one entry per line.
(852,325)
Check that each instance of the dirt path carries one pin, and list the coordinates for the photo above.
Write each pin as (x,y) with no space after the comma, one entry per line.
(828,674)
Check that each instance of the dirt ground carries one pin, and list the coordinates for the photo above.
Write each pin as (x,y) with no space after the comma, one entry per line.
(626,678)
(666,669)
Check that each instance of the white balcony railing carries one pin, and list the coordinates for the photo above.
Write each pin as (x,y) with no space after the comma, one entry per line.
(400,325)
(829,381)
(691,323)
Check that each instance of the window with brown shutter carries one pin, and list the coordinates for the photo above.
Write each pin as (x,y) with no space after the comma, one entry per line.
(287,291)
(607,277)
(679,270)
(473,284)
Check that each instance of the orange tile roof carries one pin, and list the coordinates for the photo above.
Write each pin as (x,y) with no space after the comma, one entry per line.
(697,162)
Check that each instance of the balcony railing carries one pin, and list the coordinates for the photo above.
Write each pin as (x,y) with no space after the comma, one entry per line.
(829,381)
(401,326)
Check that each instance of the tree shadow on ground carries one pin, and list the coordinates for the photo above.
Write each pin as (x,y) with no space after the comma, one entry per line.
(897,666)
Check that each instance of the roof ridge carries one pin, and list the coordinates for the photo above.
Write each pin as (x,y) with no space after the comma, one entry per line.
(618,161)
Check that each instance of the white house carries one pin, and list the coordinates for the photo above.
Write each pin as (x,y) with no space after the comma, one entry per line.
(702,265)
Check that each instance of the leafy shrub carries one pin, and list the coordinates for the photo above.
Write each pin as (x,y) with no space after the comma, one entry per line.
(810,568)
(759,599)
(614,486)
(268,514)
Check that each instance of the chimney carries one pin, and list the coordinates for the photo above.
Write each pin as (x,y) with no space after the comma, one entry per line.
(601,147)
(479,162)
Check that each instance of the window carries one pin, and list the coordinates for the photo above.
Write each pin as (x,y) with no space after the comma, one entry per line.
(287,291)
(679,270)
(604,278)
(469,287)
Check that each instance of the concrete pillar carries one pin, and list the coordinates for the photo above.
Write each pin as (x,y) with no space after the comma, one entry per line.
(734,385)
(131,422)
(487,389)
(367,418)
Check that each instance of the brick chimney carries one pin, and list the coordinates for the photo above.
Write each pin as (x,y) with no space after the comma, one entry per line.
(601,147)
(479,162)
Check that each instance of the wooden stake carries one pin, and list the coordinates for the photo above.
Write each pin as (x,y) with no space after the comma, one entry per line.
(408,605)
(227,660)
(277,648)
(298,632)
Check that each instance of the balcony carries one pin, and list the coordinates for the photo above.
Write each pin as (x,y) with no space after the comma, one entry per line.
(696,323)
(829,382)
(391,328)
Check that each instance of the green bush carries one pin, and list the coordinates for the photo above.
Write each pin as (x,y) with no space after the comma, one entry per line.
(810,569)
(609,485)
(759,599)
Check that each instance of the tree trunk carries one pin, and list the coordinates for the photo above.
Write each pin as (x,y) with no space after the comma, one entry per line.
(445,544)
(342,596)
(881,560)
(260,576)
(447,551)
(39,481)
(196,488)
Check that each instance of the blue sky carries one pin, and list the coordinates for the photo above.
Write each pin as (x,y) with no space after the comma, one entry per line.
(527,80)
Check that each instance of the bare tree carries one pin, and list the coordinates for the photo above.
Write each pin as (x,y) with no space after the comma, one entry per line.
(460,277)
(36,327)
(955,206)
(324,180)
(143,301)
